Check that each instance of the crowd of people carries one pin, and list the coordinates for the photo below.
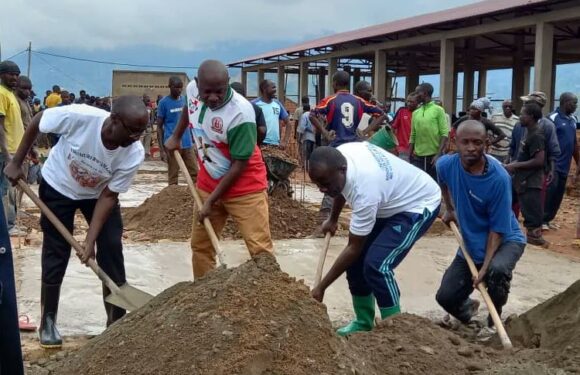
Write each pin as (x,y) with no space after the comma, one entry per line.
(395,171)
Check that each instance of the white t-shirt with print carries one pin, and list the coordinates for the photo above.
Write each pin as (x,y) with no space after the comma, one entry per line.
(381,185)
(80,166)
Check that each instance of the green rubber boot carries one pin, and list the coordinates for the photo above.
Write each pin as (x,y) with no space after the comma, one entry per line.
(364,310)
(389,311)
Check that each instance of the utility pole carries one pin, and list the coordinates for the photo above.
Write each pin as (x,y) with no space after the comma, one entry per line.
(29,58)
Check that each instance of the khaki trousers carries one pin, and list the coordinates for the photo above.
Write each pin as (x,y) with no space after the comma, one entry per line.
(173,167)
(250,212)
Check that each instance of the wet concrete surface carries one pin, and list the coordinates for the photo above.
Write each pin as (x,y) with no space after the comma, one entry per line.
(157,266)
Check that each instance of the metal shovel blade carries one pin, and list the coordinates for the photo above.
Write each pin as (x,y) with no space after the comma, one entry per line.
(129,298)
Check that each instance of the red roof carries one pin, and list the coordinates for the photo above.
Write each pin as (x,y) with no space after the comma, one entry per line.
(479,8)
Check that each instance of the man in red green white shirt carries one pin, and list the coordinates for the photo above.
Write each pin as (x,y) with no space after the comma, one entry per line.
(232,176)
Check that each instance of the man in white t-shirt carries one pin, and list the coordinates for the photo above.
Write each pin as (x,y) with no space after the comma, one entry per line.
(95,159)
(393,205)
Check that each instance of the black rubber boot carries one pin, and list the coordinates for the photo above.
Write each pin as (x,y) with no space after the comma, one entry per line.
(114,313)
(48,333)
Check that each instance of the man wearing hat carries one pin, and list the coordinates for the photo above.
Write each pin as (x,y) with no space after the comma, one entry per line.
(11,132)
(552,148)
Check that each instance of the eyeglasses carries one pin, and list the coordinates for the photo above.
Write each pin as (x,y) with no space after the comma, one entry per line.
(130,132)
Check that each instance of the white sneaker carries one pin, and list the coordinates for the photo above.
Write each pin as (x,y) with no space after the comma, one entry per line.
(553,226)
(545,227)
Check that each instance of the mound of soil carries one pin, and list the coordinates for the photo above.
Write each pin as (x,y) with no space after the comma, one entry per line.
(253,319)
(409,344)
(169,214)
(165,215)
(554,324)
(276,152)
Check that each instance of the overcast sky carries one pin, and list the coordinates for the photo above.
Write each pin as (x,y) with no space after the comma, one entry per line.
(190,25)
(182,33)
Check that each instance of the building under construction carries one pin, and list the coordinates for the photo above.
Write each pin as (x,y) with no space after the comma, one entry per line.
(493,34)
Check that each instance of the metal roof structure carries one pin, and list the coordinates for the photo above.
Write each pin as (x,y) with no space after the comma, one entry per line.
(491,34)
(481,9)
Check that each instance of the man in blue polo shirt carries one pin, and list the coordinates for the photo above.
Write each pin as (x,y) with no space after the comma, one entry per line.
(168,112)
(565,122)
(477,192)
(275,114)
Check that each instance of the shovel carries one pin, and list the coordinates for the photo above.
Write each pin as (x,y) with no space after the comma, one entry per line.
(125,296)
(198,202)
(321,260)
(503,336)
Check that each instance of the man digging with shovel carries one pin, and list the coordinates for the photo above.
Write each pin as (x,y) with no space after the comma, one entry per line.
(232,174)
(393,205)
(477,192)
(95,159)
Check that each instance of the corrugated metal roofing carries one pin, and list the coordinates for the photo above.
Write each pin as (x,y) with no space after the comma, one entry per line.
(448,15)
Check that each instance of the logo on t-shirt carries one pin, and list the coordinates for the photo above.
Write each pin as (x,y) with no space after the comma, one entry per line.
(217,125)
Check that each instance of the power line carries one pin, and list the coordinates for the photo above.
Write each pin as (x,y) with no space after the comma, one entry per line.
(61,72)
(113,62)
(18,54)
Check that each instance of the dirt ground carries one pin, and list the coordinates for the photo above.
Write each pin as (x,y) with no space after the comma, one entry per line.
(174,204)
(564,240)
(255,319)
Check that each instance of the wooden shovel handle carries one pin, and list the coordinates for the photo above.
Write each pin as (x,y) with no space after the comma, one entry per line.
(321,260)
(68,236)
(503,336)
(199,203)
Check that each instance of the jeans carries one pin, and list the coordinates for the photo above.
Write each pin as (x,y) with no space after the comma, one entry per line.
(531,207)
(385,248)
(457,284)
(554,196)
(10,352)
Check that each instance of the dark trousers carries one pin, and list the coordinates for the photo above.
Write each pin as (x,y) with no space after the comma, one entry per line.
(56,250)
(532,208)
(554,196)
(10,352)
(385,248)
(424,164)
(457,284)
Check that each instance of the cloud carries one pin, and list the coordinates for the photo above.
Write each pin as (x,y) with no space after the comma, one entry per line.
(189,25)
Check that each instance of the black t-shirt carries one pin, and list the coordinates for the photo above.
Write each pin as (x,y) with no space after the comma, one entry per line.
(534,143)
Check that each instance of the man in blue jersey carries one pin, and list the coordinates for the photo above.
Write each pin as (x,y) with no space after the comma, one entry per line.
(565,122)
(343,112)
(168,112)
(477,193)
(275,114)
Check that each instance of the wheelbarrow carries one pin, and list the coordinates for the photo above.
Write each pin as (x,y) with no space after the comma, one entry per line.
(279,171)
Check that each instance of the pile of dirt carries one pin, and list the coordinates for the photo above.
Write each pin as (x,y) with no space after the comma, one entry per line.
(276,152)
(165,215)
(554,324)
(169,214)
(409,344)
(288,219)
(253,319)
